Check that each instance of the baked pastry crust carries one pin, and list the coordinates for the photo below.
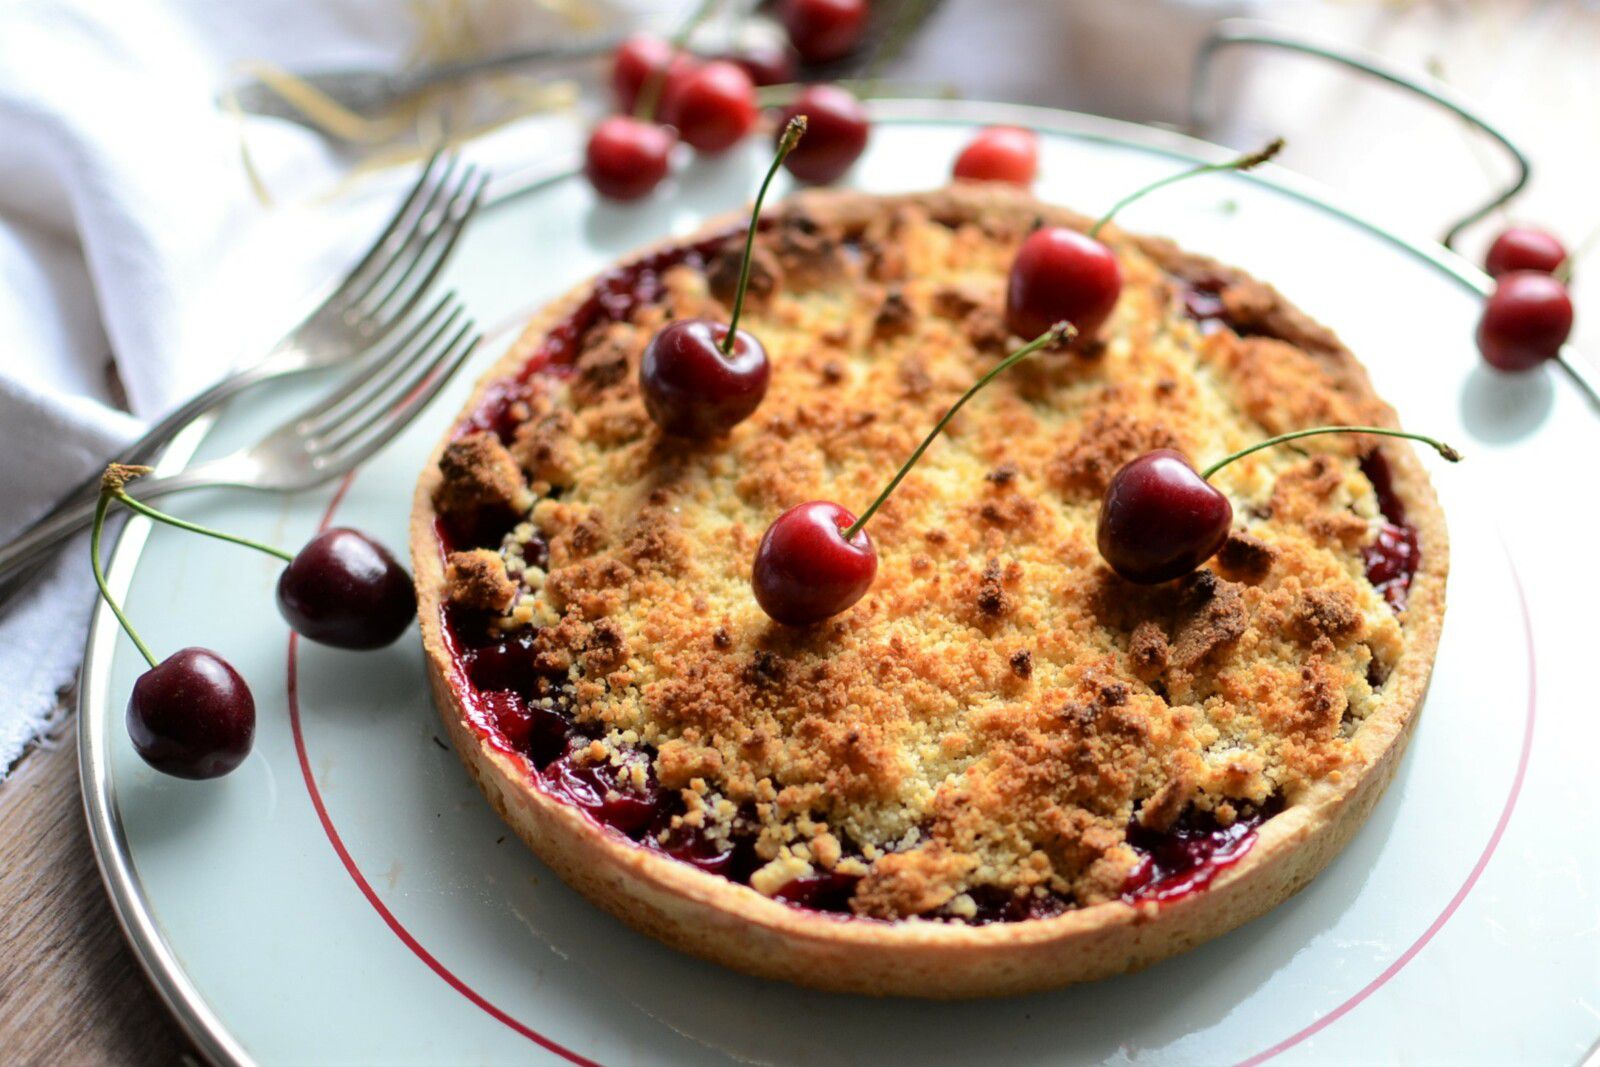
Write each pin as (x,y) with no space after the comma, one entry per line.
(735,924)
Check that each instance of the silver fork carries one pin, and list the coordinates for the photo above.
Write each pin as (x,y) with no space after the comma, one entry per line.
(324,442)
(373,299)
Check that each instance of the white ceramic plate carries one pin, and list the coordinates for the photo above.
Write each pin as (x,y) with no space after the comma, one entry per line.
(347,895)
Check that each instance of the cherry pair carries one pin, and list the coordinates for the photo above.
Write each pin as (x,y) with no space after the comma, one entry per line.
(191,715)
(1528,315)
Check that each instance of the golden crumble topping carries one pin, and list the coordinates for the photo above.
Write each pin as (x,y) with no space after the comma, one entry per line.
(1000,708)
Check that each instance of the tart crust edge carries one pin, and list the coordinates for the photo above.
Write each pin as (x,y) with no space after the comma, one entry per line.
(734,925)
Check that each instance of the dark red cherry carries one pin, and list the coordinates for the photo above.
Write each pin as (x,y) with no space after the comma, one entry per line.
(1061,275)
(192,716)
(716,107)
(823,30)
(344,589)
(1524,248)
(642,57)
(607,793)
(1160,520)
(1525,321)
(1000,154)
(627,158)
(691,388)
(836,133)
(805,571)
(767,62)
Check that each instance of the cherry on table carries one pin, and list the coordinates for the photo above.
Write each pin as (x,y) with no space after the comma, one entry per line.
(642,57)
(344,589)
(835,137)
(1061,275)
(1525,248)
(692,388)
(716,107)
(626,158)
(1160,520)
(767,62)
(1526,320)
(1000,154)
(192,715)
(805,570)
(824,30)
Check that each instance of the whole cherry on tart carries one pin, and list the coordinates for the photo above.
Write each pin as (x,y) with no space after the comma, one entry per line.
(700,378)
(626,158)
(824,30)
(1525,248)
(1000,154)
(344,589)
(1060,274)
(816,559)
(836,133)
(716,107)
(1161,519)
(1525,321)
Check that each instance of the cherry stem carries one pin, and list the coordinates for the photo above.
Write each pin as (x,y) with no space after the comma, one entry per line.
(100,579)
(1382,431)
(121,496)
(1245,162)
(1060,334)
(791,137)
(650,95)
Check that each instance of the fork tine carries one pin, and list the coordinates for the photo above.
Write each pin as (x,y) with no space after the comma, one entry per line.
(401,215)
(377,406)
(458,212)
(384,428)
(374,360)
(376,386)
(427,219)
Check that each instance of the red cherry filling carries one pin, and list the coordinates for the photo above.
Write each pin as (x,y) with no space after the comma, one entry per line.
(836,133)
(996,905)
(805,571)
(1160,520)
(1189,855)
(1061,275)
(1524,248)
(715,107)
(692,388)
(1526,320)
(824,30)
(1000,154)
(608,793)
(626,158)
(824,891)
(1393,558)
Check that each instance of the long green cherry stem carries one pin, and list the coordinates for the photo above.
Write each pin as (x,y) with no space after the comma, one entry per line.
(1245,162)
(100,579)
(792,133)
(1060,334)
(113,486)
(650,93)
(1382,431)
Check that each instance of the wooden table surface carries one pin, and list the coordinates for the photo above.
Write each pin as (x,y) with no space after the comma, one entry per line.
(70,990)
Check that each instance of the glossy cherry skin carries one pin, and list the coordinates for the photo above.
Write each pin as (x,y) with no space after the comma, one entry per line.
(1061,274)
(767,62)
(192,716)
(1525,321)
(344,589)
(823,30)
(1524,248)
(691,389)
(716,107)
(1160,520)
(637,60)
(626,158)
(1000,154)
(805,571)
(836,133)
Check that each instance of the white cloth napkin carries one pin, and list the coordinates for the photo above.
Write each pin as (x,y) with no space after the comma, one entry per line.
(131,238)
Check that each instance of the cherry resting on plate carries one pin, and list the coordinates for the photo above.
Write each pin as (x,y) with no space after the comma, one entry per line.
(824,30)
(1062,275)
(1525,248)
(344,589)
(816,559)
(1161,519)
(626,158)
(701,378)
(1000,154)
(642,57)
(192,716)
(716,107)
(1526,320)
(836,133)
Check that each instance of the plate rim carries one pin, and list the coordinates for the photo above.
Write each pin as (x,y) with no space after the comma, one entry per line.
(129,902)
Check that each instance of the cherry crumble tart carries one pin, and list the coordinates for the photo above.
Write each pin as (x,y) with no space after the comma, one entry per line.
(1005,768)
